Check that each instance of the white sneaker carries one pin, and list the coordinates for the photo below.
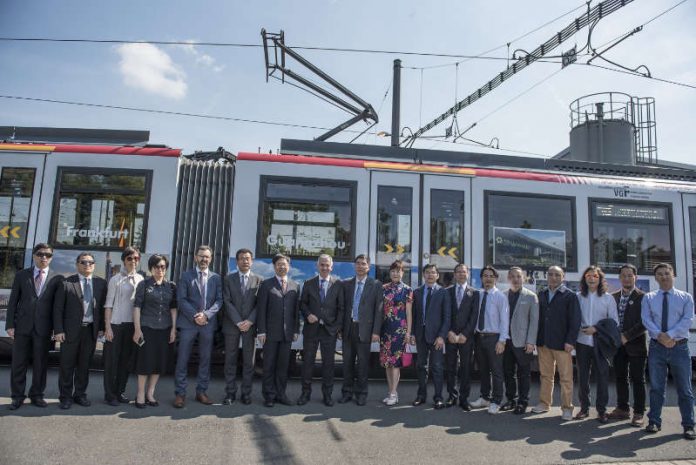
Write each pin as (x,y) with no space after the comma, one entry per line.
(386,399)
(567,414)
(392,400)
(480,403)
(493,408)
(540,408)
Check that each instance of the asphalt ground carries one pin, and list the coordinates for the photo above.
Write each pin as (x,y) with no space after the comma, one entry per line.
(343,434)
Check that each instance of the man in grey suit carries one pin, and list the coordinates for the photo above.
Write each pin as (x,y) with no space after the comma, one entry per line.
(278,308)
(239,322)
(431,323)
(519,348)
(362,322)
(29,324)
(199,298)
(322,309)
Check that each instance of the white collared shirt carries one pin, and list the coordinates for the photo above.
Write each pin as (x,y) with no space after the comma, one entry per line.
(120,296)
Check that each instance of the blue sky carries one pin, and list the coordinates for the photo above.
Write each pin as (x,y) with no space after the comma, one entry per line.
(231,81)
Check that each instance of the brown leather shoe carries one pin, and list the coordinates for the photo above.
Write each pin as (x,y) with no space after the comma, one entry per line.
(203,398)
(179,401)
(637,420)
(619,414)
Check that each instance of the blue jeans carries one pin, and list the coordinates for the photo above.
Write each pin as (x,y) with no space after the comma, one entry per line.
(187,336)
(678,359)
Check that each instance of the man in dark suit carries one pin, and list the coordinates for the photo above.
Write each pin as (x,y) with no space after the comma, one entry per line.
(29,324)
(559,324)
(431,322)
(199,298)
(322,309)
(78,320)
(279,325)
(363,299)
(632,357)
(239,322)
(464,302)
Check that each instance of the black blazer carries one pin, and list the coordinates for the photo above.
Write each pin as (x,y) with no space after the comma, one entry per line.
(633,329)
(559,320)
(277,313)
(369,308)
(437,318)
(330,312)
(68,310)
(239,306)
(28,313)
(463,318)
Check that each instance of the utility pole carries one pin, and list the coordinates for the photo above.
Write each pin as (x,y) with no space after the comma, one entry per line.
(396,104)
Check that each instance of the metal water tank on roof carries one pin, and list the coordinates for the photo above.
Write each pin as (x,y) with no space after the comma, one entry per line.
(612,127)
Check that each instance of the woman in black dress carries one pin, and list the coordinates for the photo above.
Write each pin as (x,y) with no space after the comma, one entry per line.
(154,318)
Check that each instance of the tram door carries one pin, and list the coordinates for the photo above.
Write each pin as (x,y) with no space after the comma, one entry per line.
(445,222)
(690,220)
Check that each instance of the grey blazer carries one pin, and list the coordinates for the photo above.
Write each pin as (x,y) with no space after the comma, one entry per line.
(525,318)
(239,306)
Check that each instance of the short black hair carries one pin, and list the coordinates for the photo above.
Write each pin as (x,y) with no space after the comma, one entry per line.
(429,266)
(128,251)
(154,260)
(362,256)
(397,265)
(243,251)
(39,246)
(662,265)
(279,256)
(460,265)
(489,268)
(629,267)
(83,255)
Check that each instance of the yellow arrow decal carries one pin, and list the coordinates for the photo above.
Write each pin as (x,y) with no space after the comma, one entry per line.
(3,231)
(399,248)
(14,233)
(452,253)
(389,248)
(441,251)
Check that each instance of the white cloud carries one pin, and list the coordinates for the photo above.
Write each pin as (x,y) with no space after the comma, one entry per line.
(147,67)
(202,59)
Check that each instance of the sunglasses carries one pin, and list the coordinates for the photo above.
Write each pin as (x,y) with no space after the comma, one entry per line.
(132,259)
(86,262)
(160,267)
(44,254)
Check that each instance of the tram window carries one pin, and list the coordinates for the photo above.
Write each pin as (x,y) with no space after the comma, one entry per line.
(16,188)
(306,218)
(101,209)
(529,230)
(446,228)
(692,224)
(394,224)
(626,232)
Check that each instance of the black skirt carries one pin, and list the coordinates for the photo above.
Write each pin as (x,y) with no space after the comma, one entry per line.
(153,356)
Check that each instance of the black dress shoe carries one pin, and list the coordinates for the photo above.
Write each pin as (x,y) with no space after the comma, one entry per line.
(466,406)
(16,403)
(123,399)
(438,404)
(83,401)
(268,403)
(689,434)
(328,401)
(345,399)
(507,406)
(360,401)
(452,401)
(139,405)
(65,404)
(304,398)
(112,402)
(246,400)
(283,400)
(229,399)
(520,409)
(152,403)
(38,402)
(419,400)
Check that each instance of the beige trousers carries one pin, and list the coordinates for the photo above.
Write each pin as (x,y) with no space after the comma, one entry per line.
(549,359)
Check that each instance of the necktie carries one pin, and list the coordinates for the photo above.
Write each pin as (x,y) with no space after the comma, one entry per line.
(284,285)
(38,281)
(665,312)
(322,290)
(87,295)
(482,312)
(428,297)
(356,299)
(244,284)
(460,295)
(202,284)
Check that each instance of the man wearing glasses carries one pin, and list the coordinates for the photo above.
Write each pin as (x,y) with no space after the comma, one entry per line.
(118,327)
(77,321)
(29,324)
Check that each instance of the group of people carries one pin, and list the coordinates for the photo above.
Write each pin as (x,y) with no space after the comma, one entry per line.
(448,327)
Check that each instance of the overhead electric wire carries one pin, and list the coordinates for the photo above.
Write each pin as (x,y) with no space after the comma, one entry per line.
(641,75)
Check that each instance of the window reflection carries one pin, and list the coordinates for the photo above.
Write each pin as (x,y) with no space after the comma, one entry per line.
(16,189)
(394,229)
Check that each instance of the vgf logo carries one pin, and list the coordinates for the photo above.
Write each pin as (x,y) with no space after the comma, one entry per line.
(621,192)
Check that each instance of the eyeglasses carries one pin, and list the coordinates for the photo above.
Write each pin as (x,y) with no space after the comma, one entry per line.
(86,262)
(44,254)
(132,259)
(160,267)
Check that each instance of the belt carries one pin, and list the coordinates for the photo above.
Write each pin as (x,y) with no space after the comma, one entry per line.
(489,334)
(678,342)
(86,324)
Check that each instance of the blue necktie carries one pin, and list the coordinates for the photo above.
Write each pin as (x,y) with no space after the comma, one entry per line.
(322,290)
(665,312)
(482,312)
(427,303)
(87,294)
(356,299)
